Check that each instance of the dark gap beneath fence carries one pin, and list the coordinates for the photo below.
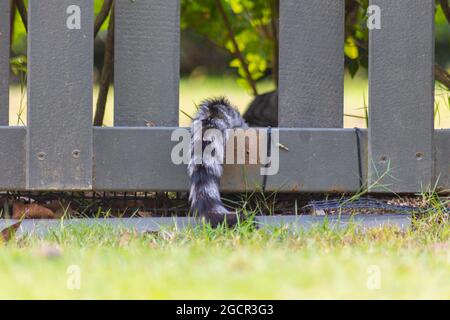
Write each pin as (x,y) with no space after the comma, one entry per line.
(54,205)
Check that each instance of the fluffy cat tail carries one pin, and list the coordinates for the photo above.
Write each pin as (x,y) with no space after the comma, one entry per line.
(205,171)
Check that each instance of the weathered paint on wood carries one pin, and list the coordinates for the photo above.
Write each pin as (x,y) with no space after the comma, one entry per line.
(401,83)
(57,153)
(12,158)
(319,160)
(146,164)
(147,62)
(136,159)
(4,62)
(311,76)
(60,70)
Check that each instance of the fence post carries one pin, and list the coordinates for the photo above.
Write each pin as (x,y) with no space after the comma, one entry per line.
(60,70)
(311,79)
(147,62)
(401,86)
(4,62)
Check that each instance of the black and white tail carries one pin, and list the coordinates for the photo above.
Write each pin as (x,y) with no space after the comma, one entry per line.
(205,172)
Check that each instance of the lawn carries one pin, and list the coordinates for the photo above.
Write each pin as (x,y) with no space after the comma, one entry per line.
(244,263)
(193,90)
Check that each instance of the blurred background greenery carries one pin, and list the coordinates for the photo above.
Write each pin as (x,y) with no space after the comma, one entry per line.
(230,47)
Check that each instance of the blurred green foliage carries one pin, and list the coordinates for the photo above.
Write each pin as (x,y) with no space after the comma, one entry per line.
(357,36)
(254,26)
(251,22)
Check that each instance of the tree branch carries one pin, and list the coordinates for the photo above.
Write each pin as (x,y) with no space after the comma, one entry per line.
(274,6)
(101,16)
(107,73)
(238,52)
(442,75)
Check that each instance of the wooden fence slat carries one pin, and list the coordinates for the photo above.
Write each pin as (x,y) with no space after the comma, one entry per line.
(4,61)
(12,158)
(311,76)
(60,70)
(401,82)
(119,164)
(320,160)
(147,62)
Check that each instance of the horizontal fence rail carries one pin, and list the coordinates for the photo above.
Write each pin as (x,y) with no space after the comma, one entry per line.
(147,62)
(61,150)
(311,79)
(331,165)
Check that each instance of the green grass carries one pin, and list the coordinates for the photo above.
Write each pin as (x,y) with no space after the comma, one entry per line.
(202,263)
(244,263)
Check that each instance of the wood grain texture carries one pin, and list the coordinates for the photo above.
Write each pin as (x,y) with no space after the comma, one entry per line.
(119,164)
(319,160)
(4,62)
(12,158)
(60,66)
(401,95)
(311,76)
(147,62)
(139,159)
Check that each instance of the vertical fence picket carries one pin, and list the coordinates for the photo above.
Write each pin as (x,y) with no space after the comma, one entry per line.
(147,62)
(4,62)
(60,69)
(311,76)
(401,85)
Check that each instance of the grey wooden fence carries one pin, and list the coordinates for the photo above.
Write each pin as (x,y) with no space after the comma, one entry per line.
(60,150)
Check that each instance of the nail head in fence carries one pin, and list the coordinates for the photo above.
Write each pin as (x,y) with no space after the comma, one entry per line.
(147,63)
(4,62)
(311,75)
(401,86)
(60,70)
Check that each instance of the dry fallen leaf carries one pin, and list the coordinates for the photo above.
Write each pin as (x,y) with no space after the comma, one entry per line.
(8,233)
(32,211)
(61,208)
(145,214)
